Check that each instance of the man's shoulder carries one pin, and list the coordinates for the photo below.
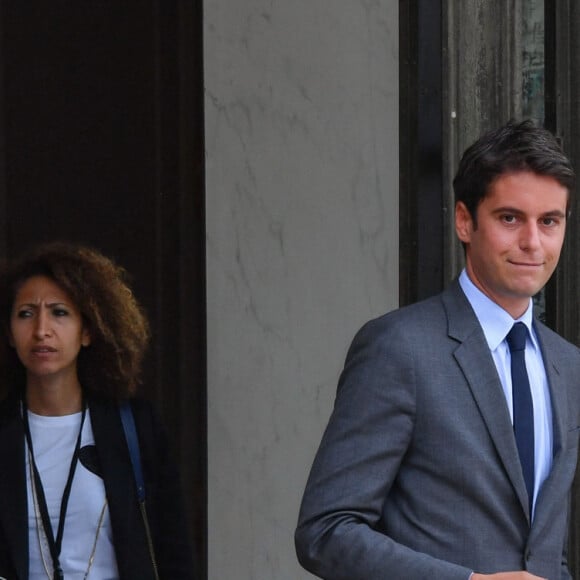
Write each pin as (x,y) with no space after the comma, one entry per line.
(452,300)
(425,317)
(554,342)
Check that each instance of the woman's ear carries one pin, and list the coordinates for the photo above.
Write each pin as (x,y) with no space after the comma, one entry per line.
(85,337)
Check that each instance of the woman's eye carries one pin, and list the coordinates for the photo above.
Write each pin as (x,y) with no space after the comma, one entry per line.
(24,314)
(60,312)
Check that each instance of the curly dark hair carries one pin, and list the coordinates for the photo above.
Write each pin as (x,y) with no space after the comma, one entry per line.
(110,366)
(514,147)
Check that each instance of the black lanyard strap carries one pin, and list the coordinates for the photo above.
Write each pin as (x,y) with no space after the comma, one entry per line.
(53,545)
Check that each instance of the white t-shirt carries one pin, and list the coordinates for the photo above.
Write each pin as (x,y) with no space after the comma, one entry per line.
(54,440)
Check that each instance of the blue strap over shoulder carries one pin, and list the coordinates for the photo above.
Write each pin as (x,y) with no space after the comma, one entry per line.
(133,444)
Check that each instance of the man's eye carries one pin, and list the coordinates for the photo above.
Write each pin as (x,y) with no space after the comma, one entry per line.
(509,219)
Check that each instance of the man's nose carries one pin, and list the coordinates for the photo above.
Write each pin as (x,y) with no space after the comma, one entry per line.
(530,236)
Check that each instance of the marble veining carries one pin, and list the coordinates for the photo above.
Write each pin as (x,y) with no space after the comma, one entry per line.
(302,247)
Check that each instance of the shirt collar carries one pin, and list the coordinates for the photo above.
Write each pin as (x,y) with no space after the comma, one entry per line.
(494,320)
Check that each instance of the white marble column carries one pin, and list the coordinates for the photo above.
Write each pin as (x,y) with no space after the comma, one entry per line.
(302,247)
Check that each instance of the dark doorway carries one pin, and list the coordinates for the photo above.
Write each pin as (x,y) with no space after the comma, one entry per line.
(102,143)
(421,217)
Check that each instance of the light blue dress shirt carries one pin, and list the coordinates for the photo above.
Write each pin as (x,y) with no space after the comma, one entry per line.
(496,323)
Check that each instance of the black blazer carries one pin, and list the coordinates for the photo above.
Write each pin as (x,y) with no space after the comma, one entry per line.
(164,499)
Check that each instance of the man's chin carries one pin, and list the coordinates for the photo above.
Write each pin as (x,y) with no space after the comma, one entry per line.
(527,291)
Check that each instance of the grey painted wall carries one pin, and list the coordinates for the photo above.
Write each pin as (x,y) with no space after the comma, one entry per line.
(302,247)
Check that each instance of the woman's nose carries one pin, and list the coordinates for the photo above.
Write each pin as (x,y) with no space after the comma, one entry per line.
(42,327)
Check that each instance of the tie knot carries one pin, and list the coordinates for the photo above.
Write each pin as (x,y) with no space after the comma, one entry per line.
(516,337)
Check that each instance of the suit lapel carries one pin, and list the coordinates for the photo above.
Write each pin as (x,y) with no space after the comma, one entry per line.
(557,384)
(129,538)
(13,494)
(478,367)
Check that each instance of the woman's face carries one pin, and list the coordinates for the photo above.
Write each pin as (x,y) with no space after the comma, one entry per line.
(46,329)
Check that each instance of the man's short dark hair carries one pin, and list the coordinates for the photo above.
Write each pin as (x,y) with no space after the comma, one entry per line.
(512,148)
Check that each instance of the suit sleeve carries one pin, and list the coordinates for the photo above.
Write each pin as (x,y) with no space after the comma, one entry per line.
(339,534)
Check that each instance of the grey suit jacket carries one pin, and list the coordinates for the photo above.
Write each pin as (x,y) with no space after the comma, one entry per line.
(417,475)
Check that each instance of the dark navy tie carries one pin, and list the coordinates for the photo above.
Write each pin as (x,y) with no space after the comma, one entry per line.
(523,405)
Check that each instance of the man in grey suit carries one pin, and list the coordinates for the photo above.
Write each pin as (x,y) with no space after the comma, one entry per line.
(421,472)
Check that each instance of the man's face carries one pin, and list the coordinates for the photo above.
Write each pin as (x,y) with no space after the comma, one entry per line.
(516,245)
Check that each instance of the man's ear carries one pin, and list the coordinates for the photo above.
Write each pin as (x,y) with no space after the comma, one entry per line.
(463,222)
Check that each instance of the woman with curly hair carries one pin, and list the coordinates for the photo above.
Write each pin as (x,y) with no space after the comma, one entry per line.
(70,357)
